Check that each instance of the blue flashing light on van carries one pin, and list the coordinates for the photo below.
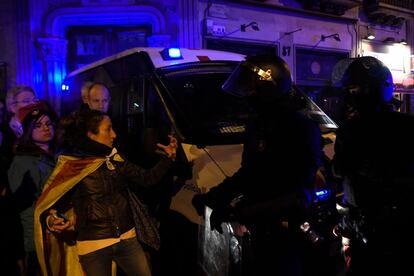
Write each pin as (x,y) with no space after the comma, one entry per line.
(171,53)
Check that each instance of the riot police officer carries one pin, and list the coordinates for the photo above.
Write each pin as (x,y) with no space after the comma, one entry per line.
(374,155)
(280,158)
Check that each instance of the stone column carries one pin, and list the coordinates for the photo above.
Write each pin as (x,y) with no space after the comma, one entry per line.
(189,24)
(53,57)
(24,46)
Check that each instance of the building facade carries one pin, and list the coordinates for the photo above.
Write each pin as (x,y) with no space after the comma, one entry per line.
(43,40)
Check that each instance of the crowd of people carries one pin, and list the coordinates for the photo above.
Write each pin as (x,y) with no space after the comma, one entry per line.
(101,194)
(72,205)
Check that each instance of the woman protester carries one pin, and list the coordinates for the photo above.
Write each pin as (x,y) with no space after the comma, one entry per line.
(31,166)
(96,189)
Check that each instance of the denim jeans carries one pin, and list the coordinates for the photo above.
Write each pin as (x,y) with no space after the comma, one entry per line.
(128,254)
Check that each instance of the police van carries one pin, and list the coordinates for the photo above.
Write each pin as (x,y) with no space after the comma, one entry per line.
(156,91)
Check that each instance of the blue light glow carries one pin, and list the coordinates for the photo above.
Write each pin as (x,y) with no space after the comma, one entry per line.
(171,54)
(65,87)
(174,53)
(322,194)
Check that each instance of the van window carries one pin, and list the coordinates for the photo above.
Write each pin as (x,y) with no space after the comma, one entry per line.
(206,114)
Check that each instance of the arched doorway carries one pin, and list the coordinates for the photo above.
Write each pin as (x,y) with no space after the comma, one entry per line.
(53,65)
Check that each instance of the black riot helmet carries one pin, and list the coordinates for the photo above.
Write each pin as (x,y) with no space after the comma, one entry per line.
(367,84)
(264,76)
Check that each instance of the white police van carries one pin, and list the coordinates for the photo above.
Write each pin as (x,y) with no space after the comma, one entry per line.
(155,91)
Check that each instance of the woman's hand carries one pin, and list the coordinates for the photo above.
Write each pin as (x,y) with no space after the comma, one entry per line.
(170,149)
(56,223)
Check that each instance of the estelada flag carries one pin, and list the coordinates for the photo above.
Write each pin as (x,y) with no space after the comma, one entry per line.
(55,256)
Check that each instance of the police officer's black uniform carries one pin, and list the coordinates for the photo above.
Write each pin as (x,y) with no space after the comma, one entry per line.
(374,154)
(281,156)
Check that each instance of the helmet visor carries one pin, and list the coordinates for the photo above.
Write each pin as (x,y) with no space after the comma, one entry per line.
(241,82)
(339,70)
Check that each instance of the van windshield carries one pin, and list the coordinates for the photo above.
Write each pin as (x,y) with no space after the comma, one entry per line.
(211,115)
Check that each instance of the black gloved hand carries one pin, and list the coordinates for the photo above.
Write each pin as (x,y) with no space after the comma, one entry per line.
(216,219)
(218,216)
(199,203)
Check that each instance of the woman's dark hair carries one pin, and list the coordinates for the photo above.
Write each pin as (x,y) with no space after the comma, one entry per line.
(32,114)
(74,127)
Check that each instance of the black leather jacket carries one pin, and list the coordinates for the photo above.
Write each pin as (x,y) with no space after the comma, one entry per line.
(101,201)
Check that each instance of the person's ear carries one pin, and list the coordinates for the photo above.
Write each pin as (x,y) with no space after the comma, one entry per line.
(90,135)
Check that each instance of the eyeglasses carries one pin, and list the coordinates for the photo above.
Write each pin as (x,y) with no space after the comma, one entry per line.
(26,101)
